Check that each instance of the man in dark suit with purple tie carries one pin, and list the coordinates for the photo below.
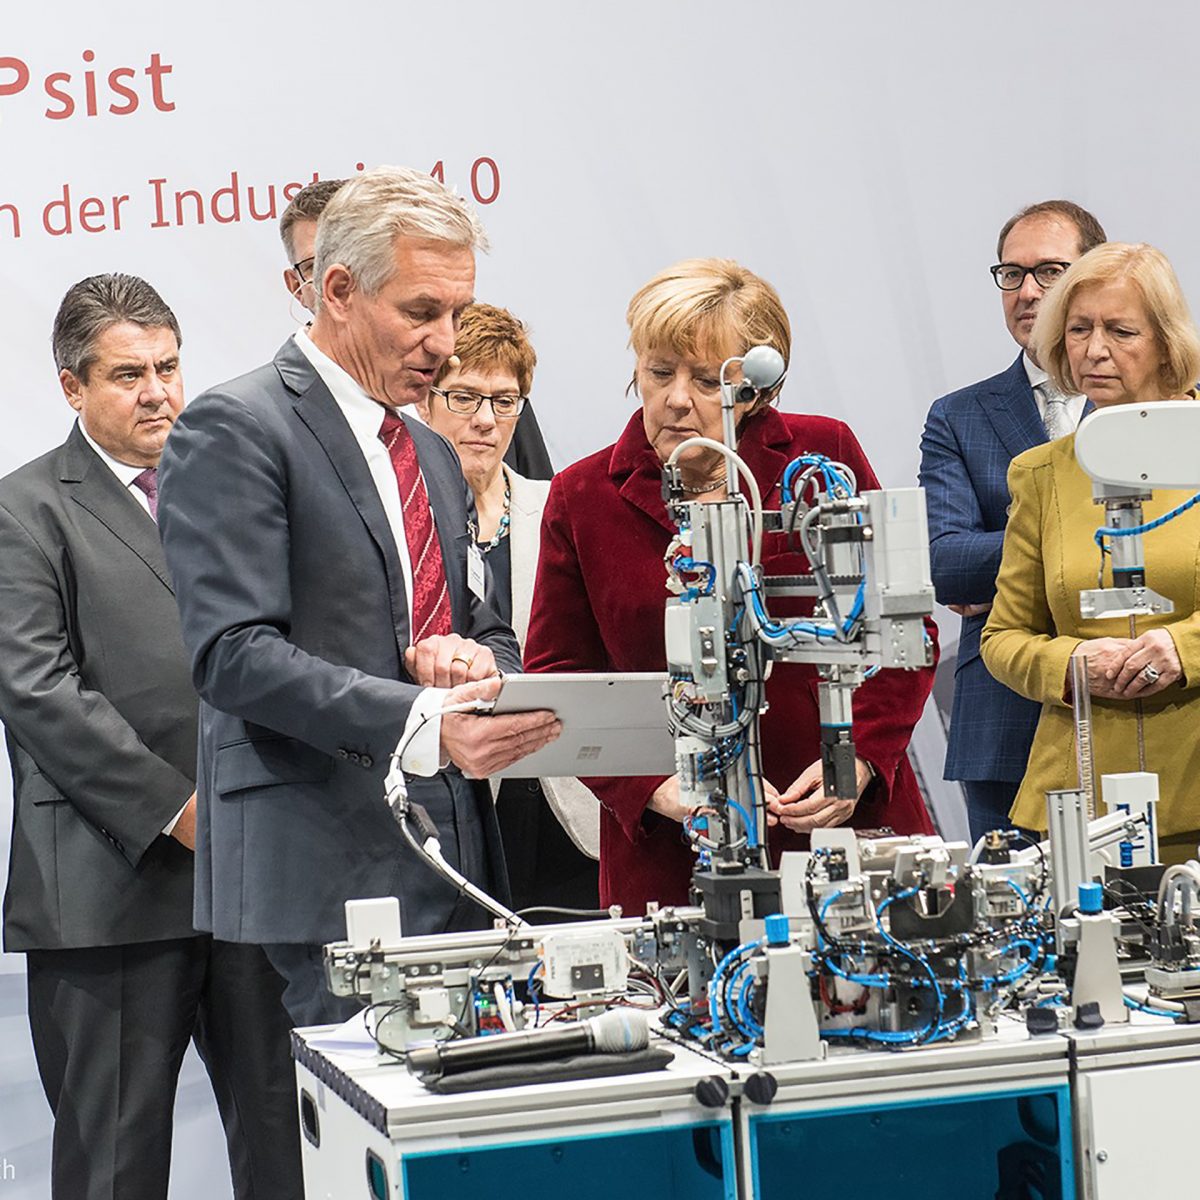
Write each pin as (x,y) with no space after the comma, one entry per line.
(970,438)
(333,602)
(100,718)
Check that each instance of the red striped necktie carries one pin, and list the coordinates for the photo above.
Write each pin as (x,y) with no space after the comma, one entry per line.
(431,599)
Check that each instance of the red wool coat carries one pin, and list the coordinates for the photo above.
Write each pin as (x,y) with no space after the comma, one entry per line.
(598,606)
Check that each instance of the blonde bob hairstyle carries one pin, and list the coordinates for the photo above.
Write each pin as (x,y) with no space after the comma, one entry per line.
(1153,277)
(708,306)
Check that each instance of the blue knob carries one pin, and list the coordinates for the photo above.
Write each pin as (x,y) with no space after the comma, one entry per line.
(1091,898)
(777,929)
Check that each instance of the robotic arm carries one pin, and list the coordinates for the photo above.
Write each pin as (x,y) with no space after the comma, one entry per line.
(1128,451)
(870,579)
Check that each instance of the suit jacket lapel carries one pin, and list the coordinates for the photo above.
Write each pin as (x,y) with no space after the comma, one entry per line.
(97,489)
(316,407)
(1012,411)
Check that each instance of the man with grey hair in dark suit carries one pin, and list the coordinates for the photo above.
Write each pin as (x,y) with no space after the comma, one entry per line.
(100,717)
(333,602)
(527,453)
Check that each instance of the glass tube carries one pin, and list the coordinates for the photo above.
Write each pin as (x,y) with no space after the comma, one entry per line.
(1081,704)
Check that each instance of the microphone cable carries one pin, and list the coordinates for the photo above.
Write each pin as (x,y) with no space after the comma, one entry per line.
(426,839)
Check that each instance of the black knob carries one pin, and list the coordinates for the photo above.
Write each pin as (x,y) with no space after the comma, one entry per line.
(1088,1016)
(1041,1020)
(712,1091)
(761,1087)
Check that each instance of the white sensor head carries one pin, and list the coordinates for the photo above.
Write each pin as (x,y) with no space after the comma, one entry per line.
(763,366)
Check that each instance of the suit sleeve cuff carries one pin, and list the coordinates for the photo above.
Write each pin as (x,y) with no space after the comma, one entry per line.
(1186,636)
(169,827)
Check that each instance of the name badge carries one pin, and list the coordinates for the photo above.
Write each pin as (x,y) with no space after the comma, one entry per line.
(475,573)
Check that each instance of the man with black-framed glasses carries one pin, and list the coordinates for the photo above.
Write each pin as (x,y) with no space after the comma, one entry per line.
(970,438)
(298,232)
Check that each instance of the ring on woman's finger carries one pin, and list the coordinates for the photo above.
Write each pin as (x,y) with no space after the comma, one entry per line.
(1150,673)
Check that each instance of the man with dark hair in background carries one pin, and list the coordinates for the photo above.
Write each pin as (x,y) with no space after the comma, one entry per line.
(970,438)
(298,232)
(527,454)
(101,722)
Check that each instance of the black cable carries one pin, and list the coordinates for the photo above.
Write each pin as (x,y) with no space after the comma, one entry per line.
(397,755)
(1124,901)
(813,910)
(568,912)
(473,979)
(668,993)
(1037,845)
(403,808)
(390,1006)
(426,825)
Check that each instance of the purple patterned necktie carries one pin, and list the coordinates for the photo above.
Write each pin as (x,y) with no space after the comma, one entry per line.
(147,482)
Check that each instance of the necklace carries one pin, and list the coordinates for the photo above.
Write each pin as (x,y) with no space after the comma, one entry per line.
(709,485)
(505,522)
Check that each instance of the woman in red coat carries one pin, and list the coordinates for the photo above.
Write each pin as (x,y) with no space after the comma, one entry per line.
(601,585)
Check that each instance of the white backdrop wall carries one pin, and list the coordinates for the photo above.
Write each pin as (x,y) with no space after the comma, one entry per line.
(861,156)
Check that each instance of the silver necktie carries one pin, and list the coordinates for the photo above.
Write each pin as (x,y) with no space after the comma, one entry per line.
(1057,420)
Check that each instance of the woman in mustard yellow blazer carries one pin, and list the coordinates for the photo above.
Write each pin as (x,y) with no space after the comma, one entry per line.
(1116,327)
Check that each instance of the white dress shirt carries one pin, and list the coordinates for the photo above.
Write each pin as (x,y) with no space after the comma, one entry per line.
(365,417)
(127,474)
(1037,377)
(123,471)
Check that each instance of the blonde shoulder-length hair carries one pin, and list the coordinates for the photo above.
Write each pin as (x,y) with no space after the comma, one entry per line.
(709,306)
(1152,275)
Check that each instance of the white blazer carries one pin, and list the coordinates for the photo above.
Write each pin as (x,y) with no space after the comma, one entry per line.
(575,806)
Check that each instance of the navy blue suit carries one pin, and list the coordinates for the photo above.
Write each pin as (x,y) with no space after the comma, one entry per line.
(970,438)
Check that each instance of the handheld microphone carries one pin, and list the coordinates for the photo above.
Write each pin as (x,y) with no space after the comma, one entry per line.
(617,1032)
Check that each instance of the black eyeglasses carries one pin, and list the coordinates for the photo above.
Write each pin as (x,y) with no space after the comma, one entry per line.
(506,407)
(304,268)
(1009,276)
